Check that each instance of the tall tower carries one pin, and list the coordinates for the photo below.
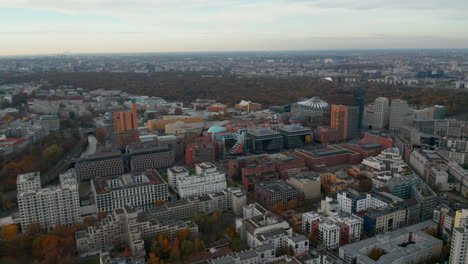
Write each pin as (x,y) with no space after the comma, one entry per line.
(381,112)
(398,109)
(126,126)
(345,119)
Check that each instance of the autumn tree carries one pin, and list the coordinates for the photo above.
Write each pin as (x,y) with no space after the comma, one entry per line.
(9,232)
(53,153)
(279,207)
(183,234)
(152,259)
(101,135)
(159,202)
(177,111)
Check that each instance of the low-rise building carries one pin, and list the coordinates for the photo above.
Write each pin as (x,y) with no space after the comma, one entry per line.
(272,192)
(206,180)
(405,246)
(308,183)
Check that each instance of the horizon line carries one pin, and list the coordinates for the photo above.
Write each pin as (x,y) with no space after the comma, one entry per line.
(228,51)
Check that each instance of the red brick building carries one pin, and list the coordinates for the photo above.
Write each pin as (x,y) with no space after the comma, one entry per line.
(333,155)
(288,164)
(197,152)
(378,139)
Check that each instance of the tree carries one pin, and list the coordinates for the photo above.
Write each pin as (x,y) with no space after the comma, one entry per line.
(9,232)
(376,253)
(152,259)
(53,153)
(236,243)
(186,247)
(159,202)
(183,234)
(101,135)
(279,207)
(177,111)
(198,245)
(127,252)
(293,204)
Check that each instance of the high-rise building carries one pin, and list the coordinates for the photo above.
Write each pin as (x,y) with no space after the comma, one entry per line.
(48,206)
(398,109)
(126,127)
(459,248)
(345,120)
(381,112)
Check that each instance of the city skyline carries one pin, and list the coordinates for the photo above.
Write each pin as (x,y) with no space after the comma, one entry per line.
(53,27)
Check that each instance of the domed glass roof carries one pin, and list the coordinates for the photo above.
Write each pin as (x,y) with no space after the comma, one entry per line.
(216,129)
(314,102)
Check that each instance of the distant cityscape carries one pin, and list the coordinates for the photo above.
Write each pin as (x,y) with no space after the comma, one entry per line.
(112,177)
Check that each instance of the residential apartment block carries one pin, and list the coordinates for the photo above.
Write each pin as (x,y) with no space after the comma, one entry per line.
(49,206)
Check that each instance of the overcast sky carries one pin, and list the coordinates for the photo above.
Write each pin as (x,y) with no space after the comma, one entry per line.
(89,26)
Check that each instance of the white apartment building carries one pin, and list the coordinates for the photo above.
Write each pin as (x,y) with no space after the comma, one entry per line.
(259,227)
(127,227)
(48,206)
(206,180)
(175,172)
(329,228)
(459,248)
(139,190)
(350,201)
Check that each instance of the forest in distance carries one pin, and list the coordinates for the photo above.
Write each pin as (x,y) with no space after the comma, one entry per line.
(188,86)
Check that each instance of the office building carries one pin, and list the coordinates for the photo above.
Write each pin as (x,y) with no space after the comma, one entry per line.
(256,169)
(295,136)
(272,192)
(104,162)
(207,179)
(377,115)
(378,138)
(333,155)
(261,140)
(345,120)
(49,206)
(138,189)
(151,155)
(200,152)
(308,183)
(126,127)
(398,110)
(427,198)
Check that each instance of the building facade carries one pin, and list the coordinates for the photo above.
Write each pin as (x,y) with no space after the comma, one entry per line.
(48,206)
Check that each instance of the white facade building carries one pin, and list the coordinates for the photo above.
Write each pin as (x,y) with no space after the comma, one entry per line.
(206,180)
(381,112)
(138,189)
(48,206)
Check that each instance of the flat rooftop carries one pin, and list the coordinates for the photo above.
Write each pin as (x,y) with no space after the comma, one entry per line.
(261,131)
(127,181)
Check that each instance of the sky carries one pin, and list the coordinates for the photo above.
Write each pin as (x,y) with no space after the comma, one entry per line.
(97,26)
